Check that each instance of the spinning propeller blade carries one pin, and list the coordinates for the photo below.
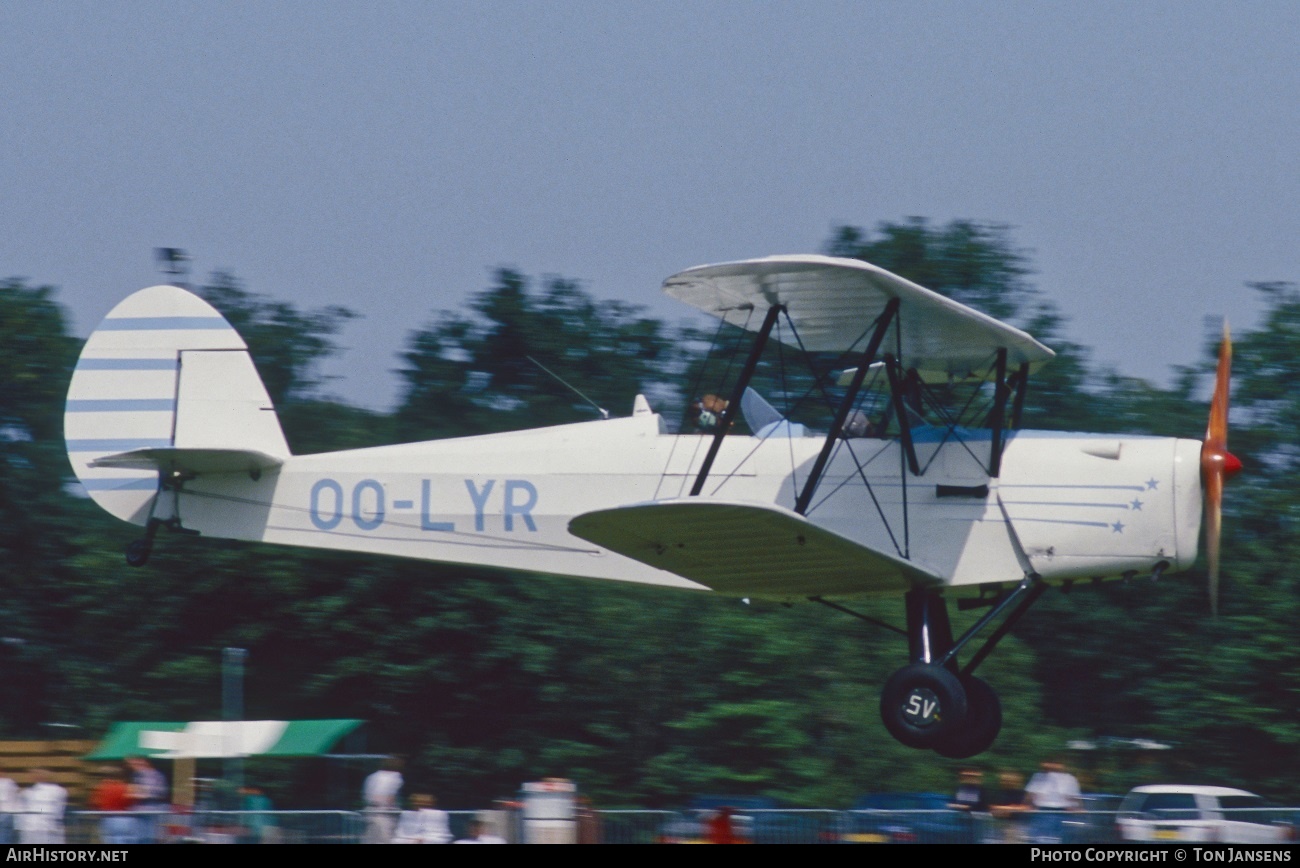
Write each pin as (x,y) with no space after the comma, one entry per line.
(1217,464)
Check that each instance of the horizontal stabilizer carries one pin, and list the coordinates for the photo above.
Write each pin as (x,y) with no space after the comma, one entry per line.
(747,549)
(168,459)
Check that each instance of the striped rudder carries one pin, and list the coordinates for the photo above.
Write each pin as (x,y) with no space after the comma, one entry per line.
(163,371)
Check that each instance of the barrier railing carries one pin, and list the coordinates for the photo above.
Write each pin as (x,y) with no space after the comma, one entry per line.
(214,827)
(90,828)
(633,826)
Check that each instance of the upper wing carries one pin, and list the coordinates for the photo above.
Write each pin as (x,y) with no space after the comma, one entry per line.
(832,302)
(747,549)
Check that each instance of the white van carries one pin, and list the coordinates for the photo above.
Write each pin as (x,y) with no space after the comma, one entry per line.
(1210,814)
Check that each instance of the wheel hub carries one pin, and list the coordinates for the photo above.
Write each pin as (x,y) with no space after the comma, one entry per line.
(922,707)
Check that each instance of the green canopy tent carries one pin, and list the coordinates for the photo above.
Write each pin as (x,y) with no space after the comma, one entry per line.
(222,739)
(186,742)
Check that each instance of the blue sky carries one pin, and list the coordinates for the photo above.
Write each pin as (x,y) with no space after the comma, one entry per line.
(388,156)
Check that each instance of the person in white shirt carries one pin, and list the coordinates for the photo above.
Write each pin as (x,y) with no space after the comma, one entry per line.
(478,834)
(9,805)
(380,795)
(1051,791)
(425,823)
(42,805)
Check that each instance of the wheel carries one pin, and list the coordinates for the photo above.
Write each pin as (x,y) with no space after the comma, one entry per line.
(983,722)
(138,551)
(922,704)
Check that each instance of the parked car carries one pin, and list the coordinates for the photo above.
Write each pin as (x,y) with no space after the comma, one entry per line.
(1094,822)
(1193,813)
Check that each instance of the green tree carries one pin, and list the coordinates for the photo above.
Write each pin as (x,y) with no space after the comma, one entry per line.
(288,345)
(485,372)
(36,359)
(978,265)
(971,262)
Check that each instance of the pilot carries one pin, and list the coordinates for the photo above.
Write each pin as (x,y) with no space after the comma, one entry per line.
(706,412)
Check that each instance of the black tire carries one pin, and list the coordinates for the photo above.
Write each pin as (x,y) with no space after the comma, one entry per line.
(138,551)
(922,705)
(983,722)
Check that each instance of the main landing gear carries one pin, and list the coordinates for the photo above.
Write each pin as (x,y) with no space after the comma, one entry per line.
(934,704)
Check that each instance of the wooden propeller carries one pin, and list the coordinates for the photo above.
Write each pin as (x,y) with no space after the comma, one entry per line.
(1217,464)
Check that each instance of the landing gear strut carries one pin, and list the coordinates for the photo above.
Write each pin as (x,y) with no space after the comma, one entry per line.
(934,704)
(138,551)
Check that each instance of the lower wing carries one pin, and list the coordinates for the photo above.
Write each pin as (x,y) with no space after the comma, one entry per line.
(747,549)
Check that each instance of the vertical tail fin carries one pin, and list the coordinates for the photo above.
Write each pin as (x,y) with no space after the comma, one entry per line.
(164,374)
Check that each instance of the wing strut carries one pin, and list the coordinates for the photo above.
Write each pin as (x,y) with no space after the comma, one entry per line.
(733,406)
(894,370)
(1022,598)
(1002,392)
(832,437)
(861,617)
(1018,406)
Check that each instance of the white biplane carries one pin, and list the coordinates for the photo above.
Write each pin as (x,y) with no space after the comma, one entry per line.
(169,426)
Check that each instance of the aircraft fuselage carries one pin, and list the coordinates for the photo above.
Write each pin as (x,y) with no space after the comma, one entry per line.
(1065,505)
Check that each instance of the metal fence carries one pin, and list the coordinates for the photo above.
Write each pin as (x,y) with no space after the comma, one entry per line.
(230,827)
(89,828)
(215,827)
(763,826)
(634,827)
